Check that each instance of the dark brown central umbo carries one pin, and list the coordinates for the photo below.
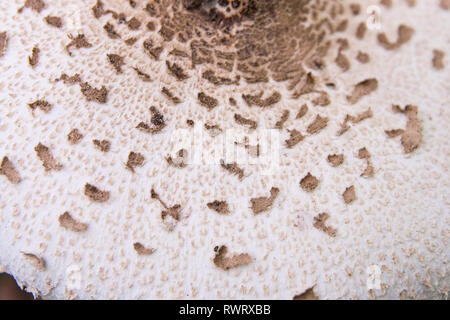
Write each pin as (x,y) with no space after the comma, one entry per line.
(253,40)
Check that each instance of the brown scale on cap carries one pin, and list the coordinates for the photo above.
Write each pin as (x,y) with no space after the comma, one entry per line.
(116,61)
(157,121)
(36,5)
(45,155)
(34,58)
(3,43)
(135,159)
(41,104)
(9,171)
(232,261)
(308,294)
(78,42)
(319,223)
(170,215)
(349,194)
(404,34)
(54,21)
(95,194)
(38,262)
(67,221)
(309,182)
(102,145)
(233,168)
(219,206)
(74,136)
(142,250)
(412,135)
(261,204)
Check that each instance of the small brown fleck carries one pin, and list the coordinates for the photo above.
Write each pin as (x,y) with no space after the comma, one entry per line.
(219,206)
(244,121)
(141,249)
(318,124)
(45,155)
(109,28)
(69,79)
(190,122)
(3,43)
(34,58)
(349,194)
(143,76)
(102,145)
(363,153)
(176,71)
(67,221)
(134,23)
(322,100)
(41,104)
(170,215)
(284,117)
(79,41)
(309,182)
(207,101)
(95,194)
(363,57)
(261,204)
(36,5)
(355,8)
(170,95)
(335,159)
(135,159)
(303,110)
(294,138)
(412,135)
(233,169)
(93,94)
(116,61)
(234,260)
(354,119)
(131,41)
(54,21)
(308,294)
(438,59)
(38,262)
(166,33)
(342,61)
(361,89)
(74,136)
(157,120)
(151,26)
(7,169)
(361,30)
(394,133)
(263,103)
(404,34)
(180,161)
(319,223)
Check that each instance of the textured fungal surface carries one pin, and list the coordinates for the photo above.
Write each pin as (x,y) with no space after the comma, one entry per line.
(138,136)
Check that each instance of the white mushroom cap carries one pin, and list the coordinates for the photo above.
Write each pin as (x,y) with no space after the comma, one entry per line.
(130,216)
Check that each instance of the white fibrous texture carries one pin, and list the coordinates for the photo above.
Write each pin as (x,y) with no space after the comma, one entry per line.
(116,123)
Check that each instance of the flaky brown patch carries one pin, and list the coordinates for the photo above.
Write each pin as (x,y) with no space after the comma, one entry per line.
(308,294)
(110,31)
(317,125)
(363,153)
(284,117)
(295,137)
(257,99)
(309,182)
(102,145)
(235,260)
(94,94)
(219,206)
(78,42)
(41,104)
(362,89)
(438,59)
(74,136)
(142,75)
(54,21)
(412,135)
(319,223)
(95,194)
(335,159)
(179,161)
(38,262)
(176,71)
(36,5)
(233,168)
(116,61)
(67,221)
(207,101)
(45,155)
(404,34)
(354,119)
(135,159)
(3,43)
(7,169)
(303,110)
(349,194)
(170,215)
(244,121)
(170,95)
(141,249)
(34,58)
(261,204)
